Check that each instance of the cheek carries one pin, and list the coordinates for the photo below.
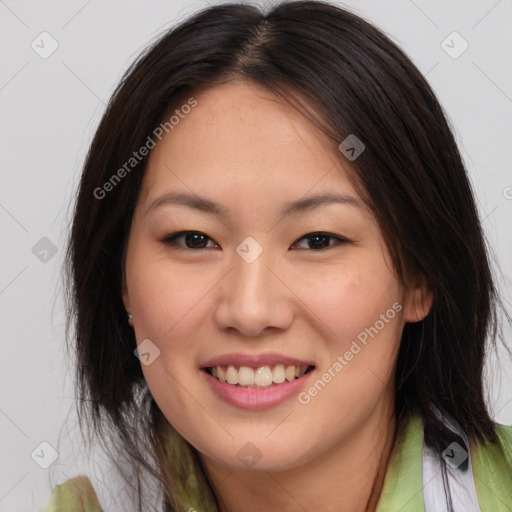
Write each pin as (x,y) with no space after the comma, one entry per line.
(162,294)
(351,297)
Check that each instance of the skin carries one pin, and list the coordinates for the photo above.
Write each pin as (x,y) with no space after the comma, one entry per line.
(251,152)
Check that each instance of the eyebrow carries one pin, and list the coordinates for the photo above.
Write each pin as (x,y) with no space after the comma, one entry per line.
(208,206)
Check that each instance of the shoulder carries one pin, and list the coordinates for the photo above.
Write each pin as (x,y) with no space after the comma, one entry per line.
(493,468)
(505,441)
(498,454)
(491,465)
(74,495)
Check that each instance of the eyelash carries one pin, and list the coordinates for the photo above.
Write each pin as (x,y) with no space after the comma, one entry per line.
(170,240)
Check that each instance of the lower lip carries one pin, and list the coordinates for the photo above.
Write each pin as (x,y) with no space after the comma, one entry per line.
(256,399)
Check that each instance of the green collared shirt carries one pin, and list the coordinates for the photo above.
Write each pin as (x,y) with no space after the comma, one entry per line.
(403,485)
(492,471)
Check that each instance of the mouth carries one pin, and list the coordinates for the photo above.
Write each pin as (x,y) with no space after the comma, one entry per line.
(260,377)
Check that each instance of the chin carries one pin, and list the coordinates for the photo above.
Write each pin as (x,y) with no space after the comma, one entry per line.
(259,455)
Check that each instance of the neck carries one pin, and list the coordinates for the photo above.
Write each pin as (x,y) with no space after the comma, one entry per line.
(348,478)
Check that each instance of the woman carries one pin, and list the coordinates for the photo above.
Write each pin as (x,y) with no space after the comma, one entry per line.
(275,215)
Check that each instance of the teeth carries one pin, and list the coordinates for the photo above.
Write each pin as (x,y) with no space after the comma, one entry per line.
(278,375)
(262,377)
(232,375)
(245,376)
(290,373)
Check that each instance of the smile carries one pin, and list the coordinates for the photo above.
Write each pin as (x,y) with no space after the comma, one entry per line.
(261,377)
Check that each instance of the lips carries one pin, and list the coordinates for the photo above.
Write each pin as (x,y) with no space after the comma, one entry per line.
(254,397)
(255,361)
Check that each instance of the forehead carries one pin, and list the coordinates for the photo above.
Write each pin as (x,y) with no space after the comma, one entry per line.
(242,138)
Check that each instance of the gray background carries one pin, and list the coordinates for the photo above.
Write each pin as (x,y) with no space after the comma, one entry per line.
(49,110)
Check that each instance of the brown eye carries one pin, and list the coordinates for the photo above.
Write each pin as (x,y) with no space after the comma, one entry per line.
(320,241)
(196,240)
(192,240)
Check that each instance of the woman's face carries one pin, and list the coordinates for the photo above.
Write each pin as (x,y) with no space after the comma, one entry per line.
(257,289)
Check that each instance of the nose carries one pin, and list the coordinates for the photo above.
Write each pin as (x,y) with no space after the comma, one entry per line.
(254,297)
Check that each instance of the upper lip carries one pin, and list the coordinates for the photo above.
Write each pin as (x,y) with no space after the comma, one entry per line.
(254,361)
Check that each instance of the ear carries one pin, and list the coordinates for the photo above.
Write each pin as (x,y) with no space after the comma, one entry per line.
(126,300)
(124,286)
(419,300)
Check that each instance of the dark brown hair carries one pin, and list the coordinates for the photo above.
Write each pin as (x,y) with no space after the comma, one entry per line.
(357,81)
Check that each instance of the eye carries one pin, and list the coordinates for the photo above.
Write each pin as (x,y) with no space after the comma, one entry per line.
(317,241)
(192,239)
(320,241)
